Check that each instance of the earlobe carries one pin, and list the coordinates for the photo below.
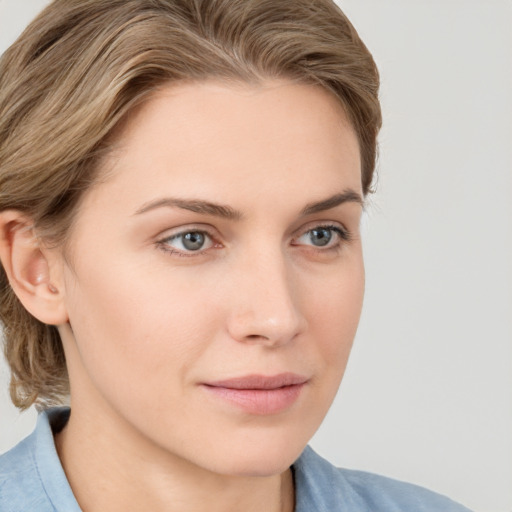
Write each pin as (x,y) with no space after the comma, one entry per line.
(28,269)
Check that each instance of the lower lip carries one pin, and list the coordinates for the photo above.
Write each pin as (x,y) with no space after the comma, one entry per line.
(259,401)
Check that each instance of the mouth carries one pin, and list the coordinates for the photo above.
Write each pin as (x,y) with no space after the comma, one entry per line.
(259,394)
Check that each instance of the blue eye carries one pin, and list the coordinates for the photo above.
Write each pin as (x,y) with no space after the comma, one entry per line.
(193,241)
(188,241)
(323,236)
(320,237)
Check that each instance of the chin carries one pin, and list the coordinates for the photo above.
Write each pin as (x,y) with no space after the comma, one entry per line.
(256,457)
(258,465)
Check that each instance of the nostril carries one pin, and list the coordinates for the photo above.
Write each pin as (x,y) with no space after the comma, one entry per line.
(256,337)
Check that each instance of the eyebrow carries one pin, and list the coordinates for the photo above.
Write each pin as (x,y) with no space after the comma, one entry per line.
(347,196)
(193,205)
(226,212)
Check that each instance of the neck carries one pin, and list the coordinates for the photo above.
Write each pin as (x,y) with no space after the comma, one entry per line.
(110,468)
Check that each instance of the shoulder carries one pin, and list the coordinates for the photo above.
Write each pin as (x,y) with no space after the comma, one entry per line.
(20,485)
(31,477)
(323,487)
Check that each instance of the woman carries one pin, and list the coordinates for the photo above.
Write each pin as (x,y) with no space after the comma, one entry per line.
(181,188)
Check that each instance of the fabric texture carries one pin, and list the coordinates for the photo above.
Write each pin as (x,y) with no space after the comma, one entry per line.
(32,479)
(322,487)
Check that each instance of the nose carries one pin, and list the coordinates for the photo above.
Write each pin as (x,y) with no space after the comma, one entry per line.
(266,304)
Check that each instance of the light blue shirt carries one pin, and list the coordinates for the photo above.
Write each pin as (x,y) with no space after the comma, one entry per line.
(32,480)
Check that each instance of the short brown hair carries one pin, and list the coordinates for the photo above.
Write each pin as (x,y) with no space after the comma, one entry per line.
(82,65)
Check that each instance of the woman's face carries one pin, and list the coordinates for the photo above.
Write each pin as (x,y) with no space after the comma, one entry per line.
(215,277)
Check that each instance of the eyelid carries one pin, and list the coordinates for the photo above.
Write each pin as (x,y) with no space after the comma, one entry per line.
(346,233)
(162,240)
(186,228)
(341,232)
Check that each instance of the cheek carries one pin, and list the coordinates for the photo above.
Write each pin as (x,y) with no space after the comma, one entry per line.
(136,332)
(334,317)
(334,310)
(333,306)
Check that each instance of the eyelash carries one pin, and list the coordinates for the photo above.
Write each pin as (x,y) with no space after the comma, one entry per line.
(344,236)
(163,244)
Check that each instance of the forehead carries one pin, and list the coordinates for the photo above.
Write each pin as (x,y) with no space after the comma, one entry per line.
(196,138)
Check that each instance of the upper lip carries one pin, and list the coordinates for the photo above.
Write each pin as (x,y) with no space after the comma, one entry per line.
(260,381)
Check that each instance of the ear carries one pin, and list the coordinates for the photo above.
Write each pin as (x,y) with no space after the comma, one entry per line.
(34,272)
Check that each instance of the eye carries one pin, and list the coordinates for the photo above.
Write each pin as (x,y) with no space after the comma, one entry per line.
(323,237)
(187,242)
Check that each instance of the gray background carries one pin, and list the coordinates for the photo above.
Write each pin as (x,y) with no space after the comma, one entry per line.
(428,393)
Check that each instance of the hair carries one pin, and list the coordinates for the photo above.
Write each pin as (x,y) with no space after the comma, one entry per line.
(82,66)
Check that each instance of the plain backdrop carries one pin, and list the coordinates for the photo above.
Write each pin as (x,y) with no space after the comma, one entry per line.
(427,396)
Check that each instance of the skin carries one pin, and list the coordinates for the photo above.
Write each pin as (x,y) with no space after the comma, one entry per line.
(145,322)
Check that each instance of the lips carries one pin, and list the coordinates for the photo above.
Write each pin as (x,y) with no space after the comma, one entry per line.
(259,394)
